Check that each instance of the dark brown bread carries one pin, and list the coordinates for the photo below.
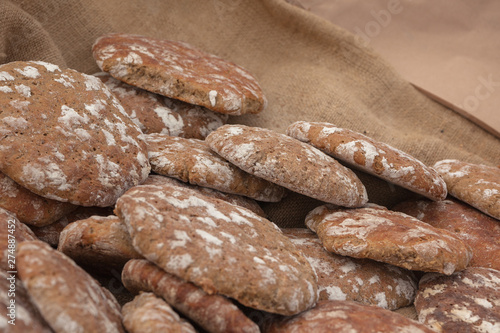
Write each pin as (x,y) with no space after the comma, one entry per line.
(220,247)
(480,231)
(346,316)
(50,233)
(362,280)
(99,242)
(214,313)
(178,70)
(377,233)
(147,313)
(21,316)
(28,207)
(159,114)
(69,299)
(12,231)
(288,162)
(192,161)
(467,301)
(374,157)
(234,199)
(476,184)
(66,137)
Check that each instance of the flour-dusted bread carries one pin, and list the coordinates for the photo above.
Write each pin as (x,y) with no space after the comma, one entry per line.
(192,161)
(178,70)
(154,113)
(371,156)
(377,233)
(345,278)
(480,231)
(19,315)
(12,231)
(476,184)
(98,241)
(235,199)
(28,207)
(346,316)
(214,313)
(220,247)
(467,301)
(66,137)
(50,233)
(68,298)
(147,313)
(288,162)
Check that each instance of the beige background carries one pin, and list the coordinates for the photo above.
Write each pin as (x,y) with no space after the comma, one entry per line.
(449,49)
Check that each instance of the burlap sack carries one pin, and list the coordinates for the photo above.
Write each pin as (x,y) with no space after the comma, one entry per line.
(308,68)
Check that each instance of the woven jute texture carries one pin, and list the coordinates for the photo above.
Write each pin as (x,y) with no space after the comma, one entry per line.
(308,68)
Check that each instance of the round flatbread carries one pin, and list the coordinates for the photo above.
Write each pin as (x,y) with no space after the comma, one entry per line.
(371,156)
(288,162)
(468,301)
(69,299)
(377,233)
(361,280)
(178,70)
(29,207)
(192,161)
(480,231)
(476,184)
(220,247)
(158,114)
(66,137)
(147,313)
(346,316)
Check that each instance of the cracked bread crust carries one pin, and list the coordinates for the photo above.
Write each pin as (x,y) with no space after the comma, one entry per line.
(147,313)
(214,313)
(218,246)
(361,280)
(192,161)
(476,184)
(159,114)
(64,135)
(178,70)
(371,156)
(377,233)
(467,301)
(288,162)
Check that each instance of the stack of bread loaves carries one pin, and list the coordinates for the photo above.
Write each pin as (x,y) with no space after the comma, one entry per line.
(135,172)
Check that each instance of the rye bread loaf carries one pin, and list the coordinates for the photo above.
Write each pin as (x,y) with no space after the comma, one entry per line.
(288,162)
(28,207)
(346,316)
(147,313)
(12,231)
(178,70)
(214,313)
(18,314)
(50,233)
(98,242)
(192,161)
(218,246)
(69,299)
(159,114)
(374,232)
(361,280)
(467,301)
(476,184)
(234,199)
(66,137)
(371,156)
(480,231)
